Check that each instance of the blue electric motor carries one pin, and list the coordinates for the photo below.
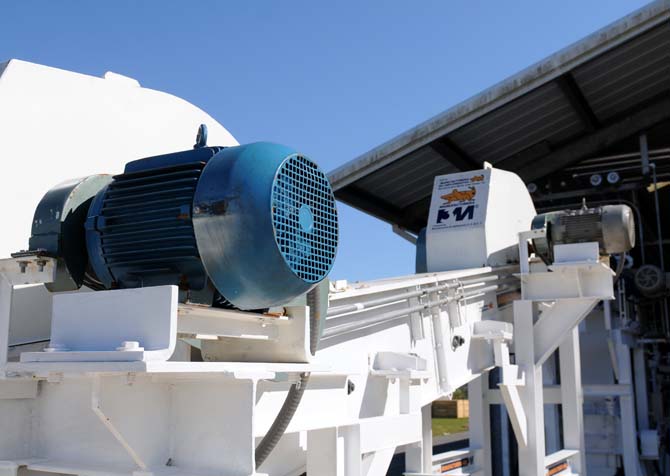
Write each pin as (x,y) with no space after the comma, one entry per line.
(251,226)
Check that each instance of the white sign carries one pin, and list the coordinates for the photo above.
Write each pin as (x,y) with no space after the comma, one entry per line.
(459,200)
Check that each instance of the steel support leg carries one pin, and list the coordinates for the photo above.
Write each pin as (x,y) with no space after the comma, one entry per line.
(419,457)
(531,456)
(572,400)
(631,462)
(480,423)
(325,452)
(335,451)
(6,290)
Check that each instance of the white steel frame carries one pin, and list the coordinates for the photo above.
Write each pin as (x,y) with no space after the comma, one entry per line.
(370,389)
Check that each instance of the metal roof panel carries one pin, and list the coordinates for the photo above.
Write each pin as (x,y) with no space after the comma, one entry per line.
(589,95)
(531,78)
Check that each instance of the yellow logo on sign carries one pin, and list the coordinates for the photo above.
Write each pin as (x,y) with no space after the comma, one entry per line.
(460,195)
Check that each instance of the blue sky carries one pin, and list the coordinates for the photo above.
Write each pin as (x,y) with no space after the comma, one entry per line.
(332,79)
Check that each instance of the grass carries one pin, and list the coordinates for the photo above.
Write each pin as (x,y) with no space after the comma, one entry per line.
(445,426)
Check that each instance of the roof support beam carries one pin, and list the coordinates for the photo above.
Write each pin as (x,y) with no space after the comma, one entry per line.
(566,82)
(415,215)
(526,156)
(368,203)
(454,154)
(657,111)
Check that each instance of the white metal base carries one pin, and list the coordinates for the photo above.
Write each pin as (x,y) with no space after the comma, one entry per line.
(104,406)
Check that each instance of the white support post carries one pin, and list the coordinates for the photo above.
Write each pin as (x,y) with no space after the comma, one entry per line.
(427,430)
(531,456)
(419,457)
(631,463)
(335,451)
(352,449)
(572,399)
(325,452)
(480,423)
(6,290)
(440,334)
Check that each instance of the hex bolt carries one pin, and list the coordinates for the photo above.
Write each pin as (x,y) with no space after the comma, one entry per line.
(129,345)
(456,342)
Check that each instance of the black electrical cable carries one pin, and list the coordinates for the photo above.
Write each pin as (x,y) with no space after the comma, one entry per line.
(543,257)
(296,391)
(314,303)
(619,267)
(90,282)
(282,420)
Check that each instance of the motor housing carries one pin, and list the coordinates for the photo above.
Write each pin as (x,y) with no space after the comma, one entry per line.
(611,226)
(250,226)
(58,230)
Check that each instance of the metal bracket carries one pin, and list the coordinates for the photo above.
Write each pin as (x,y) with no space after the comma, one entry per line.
(500,334)
(14,272)
(250,337)
(122,325)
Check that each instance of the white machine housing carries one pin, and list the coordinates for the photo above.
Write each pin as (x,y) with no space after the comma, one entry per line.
(485,209)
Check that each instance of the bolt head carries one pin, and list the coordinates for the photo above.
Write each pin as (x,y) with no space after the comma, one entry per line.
(129,345)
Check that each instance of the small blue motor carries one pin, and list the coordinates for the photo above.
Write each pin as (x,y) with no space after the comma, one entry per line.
(250,227)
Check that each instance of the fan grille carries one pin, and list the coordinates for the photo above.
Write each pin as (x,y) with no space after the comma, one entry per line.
(304,218)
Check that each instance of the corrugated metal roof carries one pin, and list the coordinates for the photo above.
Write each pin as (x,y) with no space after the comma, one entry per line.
(627,75)
(542,114)
(614,82)
(404,181)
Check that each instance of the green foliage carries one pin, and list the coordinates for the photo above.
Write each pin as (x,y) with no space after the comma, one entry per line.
(461,393)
